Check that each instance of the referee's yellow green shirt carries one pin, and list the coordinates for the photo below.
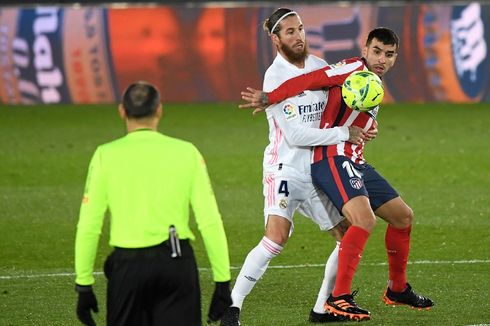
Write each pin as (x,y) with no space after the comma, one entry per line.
(148,181)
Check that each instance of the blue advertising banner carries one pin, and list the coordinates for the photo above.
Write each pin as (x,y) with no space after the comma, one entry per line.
(53,55)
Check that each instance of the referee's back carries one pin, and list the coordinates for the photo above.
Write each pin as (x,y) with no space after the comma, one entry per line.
(148,182)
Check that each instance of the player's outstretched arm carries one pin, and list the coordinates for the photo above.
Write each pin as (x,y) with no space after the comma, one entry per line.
(333,75)
(255,99)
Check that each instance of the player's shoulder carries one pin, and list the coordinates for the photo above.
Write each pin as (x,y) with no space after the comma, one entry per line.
(275,75)
(272,79)
(316,61)
(348,61)
(355,59)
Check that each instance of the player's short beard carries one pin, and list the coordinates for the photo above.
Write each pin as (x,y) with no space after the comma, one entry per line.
(295,57)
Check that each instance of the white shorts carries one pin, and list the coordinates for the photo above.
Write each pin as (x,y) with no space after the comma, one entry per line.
(286,192)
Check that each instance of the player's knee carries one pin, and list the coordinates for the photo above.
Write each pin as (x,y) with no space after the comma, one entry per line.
(368,224)
(359,213)
(277,229)
(277,236)
(364,219)
(407,218)
(404,218)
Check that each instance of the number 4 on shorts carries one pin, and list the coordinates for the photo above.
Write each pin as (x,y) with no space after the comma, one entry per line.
(283,188)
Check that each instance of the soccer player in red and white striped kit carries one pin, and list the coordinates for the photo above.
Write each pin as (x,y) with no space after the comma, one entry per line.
(354,186)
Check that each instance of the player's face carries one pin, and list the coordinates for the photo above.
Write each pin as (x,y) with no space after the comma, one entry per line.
(379,57)
(292,41)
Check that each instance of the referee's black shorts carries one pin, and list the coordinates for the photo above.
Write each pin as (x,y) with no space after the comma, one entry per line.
(148,287)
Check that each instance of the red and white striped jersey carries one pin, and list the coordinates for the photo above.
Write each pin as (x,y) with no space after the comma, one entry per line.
(336,112)
(294,122)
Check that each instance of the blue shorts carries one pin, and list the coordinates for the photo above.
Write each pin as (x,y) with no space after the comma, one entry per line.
(341,180)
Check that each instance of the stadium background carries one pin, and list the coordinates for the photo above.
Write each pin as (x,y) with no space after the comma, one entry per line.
(89,54)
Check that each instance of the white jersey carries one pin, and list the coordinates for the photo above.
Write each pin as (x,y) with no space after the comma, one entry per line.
(293,129)
(294,123)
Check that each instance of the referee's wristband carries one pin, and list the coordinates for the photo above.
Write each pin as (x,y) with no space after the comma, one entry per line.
(83,288)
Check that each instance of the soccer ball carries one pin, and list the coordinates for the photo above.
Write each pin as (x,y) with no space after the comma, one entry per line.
(362,90)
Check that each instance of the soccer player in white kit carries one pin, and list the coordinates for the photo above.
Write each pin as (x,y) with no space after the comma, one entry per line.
(288,187)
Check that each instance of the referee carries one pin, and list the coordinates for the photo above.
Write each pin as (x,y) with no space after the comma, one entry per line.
(147,181)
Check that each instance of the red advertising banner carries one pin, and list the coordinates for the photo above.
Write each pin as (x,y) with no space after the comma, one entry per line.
(190,54)
(193,54)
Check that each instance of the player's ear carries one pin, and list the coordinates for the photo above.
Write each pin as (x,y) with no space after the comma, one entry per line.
(275,39)
(364,51)
(122,112)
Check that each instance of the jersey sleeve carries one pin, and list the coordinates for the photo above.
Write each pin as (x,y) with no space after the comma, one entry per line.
(332,75)
(89,227)
(209,222)
(297,135)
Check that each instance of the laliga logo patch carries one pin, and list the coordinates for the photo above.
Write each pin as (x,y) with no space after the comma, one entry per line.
(337,64)
(283,203)
(289,111)
(356,183)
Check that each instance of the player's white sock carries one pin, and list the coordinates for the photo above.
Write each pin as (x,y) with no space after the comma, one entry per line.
(328,280)
(253,268)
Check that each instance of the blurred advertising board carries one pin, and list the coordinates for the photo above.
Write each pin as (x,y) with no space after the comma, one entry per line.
(52,55)
(90,54)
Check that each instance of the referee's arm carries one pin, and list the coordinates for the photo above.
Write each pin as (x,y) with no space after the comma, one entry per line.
(209,221)
(89,228)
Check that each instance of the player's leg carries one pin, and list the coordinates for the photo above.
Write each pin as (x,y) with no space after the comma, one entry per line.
(360,215)
(331,267)
(258,259)
(281,200)
(343,184)
(397,240)
(321,210)
(388,205)
(255,265)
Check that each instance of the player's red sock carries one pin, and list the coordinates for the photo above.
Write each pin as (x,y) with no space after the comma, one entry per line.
(350,253)
(397,242)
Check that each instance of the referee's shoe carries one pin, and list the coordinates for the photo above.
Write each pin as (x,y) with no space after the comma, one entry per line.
(231,317)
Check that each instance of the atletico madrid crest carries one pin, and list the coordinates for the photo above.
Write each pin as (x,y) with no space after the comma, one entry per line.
(356,183)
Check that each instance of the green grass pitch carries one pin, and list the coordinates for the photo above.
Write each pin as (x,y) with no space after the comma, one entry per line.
(436,155)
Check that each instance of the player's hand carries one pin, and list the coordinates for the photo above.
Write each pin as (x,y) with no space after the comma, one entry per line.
(220,302)
(255,99)
(356,135)
(371,133)
(86,302)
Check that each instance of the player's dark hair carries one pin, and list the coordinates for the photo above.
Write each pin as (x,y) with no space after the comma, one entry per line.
(140,100)
(272,20)
(385,35)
